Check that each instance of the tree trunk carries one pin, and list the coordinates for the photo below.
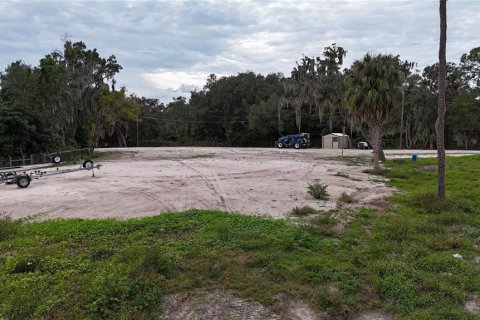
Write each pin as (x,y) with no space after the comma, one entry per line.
(375,140)
(440,123)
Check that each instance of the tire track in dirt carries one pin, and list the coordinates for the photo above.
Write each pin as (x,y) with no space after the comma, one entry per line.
(211,186)
(143,192)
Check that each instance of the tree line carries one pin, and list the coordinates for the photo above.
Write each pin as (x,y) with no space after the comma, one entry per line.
(70,100)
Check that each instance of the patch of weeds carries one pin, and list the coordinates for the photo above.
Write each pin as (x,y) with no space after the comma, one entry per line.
(365,213)
(380,172)
(318,191)
(9,228)
(430,203)
(341,174)
(303,211)
(346,198)
(323,226)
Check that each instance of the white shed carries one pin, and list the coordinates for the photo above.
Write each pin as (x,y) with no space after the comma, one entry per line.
(336,141)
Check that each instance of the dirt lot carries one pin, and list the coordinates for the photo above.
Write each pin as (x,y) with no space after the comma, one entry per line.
(137,182)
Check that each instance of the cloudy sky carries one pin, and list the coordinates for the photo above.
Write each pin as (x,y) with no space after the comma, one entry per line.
(168,48)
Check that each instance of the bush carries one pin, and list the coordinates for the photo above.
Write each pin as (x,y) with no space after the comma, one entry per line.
(318,191)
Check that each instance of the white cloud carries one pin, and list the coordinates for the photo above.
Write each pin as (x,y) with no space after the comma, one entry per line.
(170,47)
(173,80)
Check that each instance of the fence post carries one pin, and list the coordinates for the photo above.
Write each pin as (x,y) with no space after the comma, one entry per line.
(10,159)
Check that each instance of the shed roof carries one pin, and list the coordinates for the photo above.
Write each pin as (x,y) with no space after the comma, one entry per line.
(336,135)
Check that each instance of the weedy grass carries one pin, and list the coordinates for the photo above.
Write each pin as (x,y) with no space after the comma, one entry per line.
(341,174)
(303,211)
(400,260)
(346,198)
(318,191)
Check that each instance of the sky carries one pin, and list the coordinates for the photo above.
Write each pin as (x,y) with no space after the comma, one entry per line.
(168,48)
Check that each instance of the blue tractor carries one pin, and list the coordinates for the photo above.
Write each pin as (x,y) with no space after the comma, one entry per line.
(301,140)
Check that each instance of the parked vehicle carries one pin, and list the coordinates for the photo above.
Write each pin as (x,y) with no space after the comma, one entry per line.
(301,140)
(363,146)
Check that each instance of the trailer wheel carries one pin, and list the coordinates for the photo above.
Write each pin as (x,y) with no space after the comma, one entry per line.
(88,164)
(23,181)
(56,159)
(297,145)
(280,145)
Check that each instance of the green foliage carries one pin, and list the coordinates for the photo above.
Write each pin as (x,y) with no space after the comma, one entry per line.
(69,100)
(318,191)
(55,104)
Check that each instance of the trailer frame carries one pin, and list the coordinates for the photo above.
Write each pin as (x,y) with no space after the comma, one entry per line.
(22,178)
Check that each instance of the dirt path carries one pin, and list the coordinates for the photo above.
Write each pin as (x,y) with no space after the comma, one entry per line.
(139,182)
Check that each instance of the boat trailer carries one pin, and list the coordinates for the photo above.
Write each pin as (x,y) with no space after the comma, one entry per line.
(22,176)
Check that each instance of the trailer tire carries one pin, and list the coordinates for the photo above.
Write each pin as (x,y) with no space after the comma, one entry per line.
(297,145)
(280,145)
(23,181)
(88,164)
(56,159)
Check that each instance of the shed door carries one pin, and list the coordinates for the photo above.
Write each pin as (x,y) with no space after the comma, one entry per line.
(335,142)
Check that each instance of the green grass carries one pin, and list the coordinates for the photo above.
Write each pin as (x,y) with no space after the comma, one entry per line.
(400,260)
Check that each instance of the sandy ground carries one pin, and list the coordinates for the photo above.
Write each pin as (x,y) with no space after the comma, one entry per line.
(136,182)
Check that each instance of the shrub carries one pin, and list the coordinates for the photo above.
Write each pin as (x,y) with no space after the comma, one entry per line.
(318,191)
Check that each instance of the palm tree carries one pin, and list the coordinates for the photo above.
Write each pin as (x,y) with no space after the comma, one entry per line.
(440,124)
(372,92)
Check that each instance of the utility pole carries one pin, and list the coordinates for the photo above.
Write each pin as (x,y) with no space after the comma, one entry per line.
(137,131)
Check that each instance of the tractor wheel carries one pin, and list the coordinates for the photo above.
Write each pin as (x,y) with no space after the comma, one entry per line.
(297,145)
(280,145)
(56,159)
(88,164)
(23,181)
